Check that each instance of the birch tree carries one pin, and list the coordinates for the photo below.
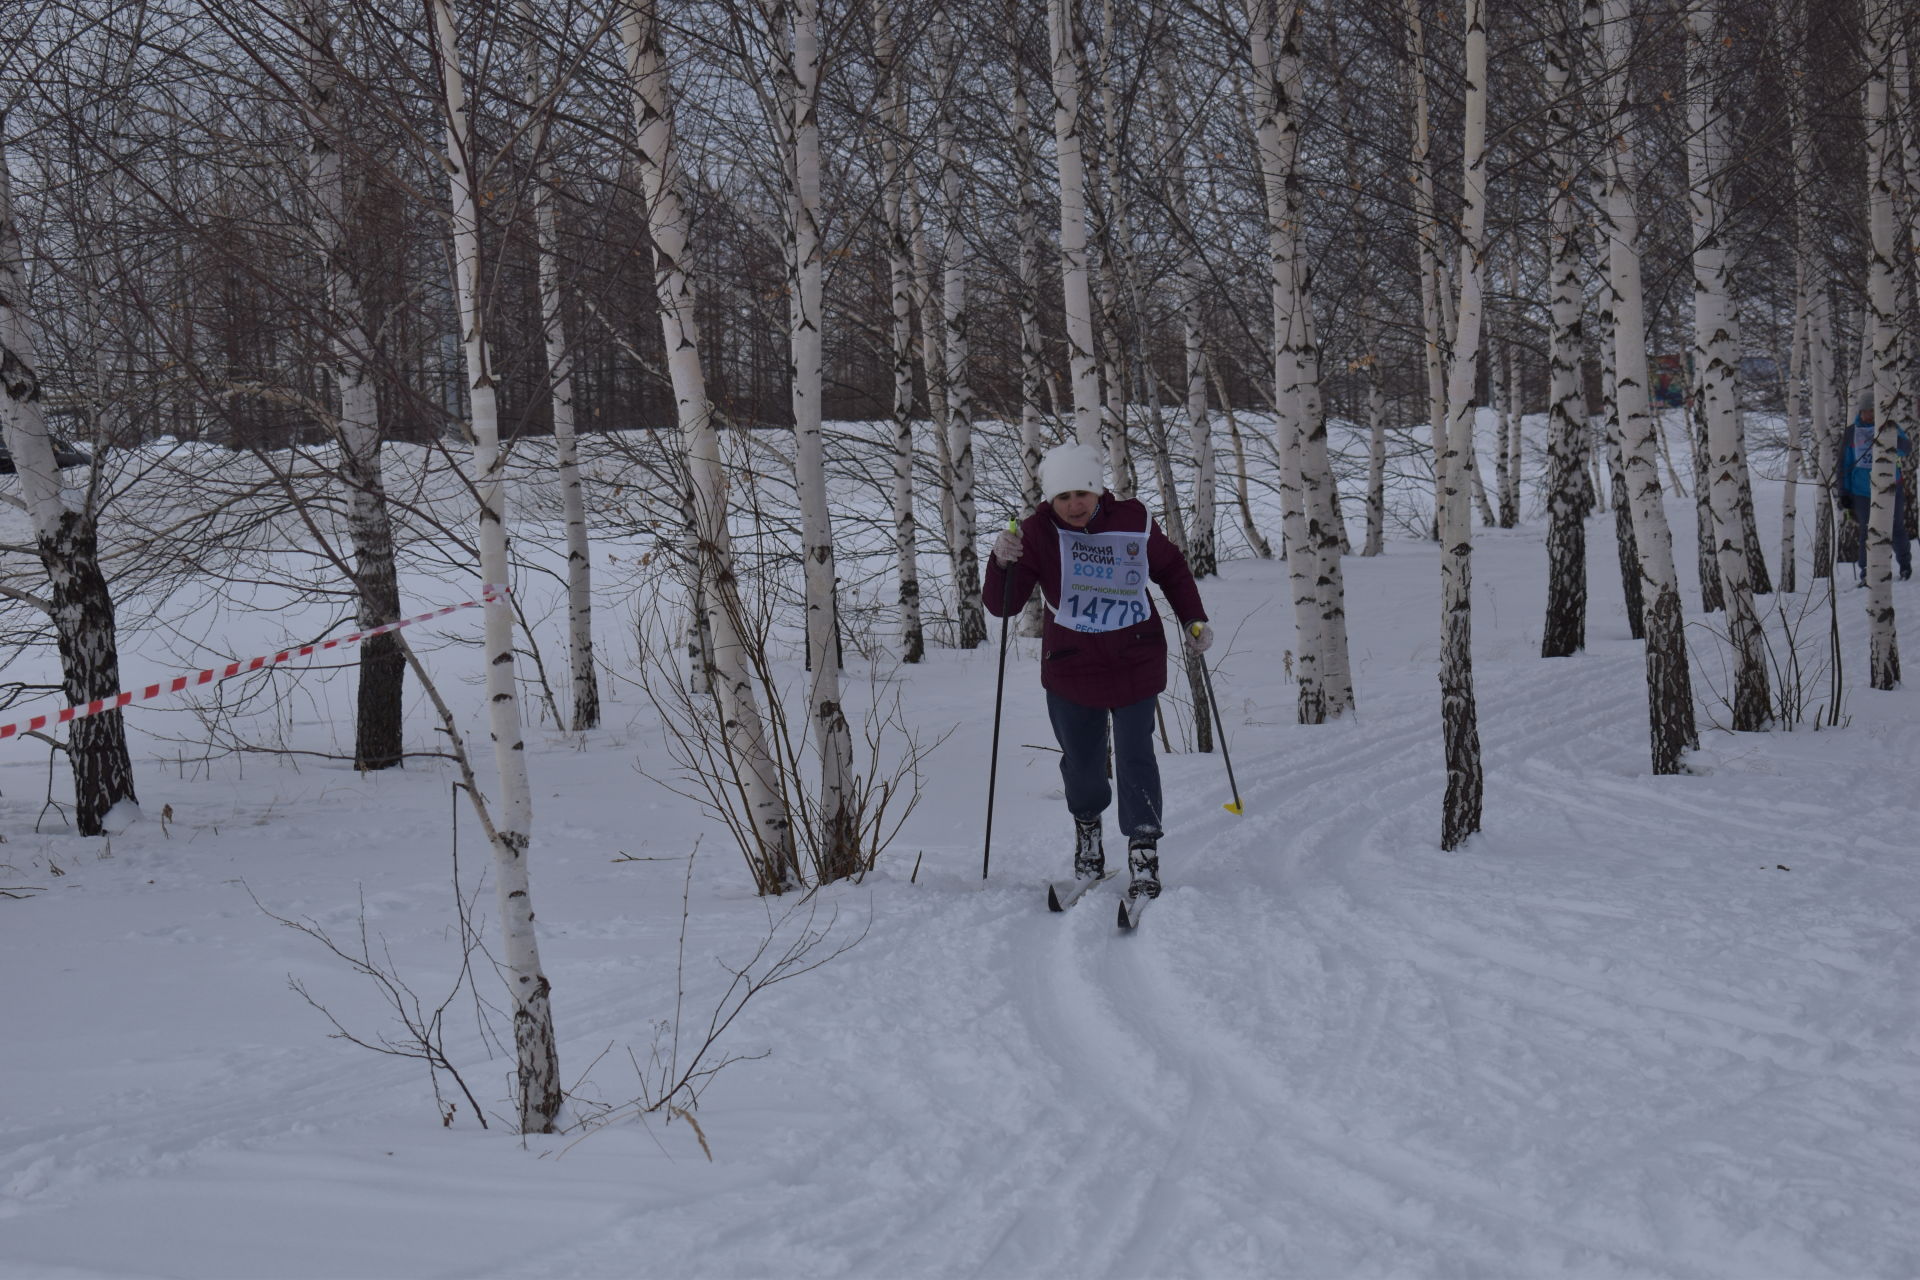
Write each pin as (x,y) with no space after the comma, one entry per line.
(1714,357)
(1786,28)
(357,429)
(764,807)
(795,32)
(1459,715)
(560,358)
(66,538)
(895,129)
(1889,385)
(956,346)
(511,829)
(1203,555)
(1033,356)
(1426,232)
(1069,127)
(1669,685)
(1312,540)
(1565,632)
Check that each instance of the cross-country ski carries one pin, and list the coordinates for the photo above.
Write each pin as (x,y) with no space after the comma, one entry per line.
(1062,894)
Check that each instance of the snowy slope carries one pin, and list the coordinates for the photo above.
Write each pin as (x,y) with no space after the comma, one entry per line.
(1640,1026)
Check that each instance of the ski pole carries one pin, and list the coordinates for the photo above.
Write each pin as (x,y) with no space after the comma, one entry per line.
(999,692)
(1206,678)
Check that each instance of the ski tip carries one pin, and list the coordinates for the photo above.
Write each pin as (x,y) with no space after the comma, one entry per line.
(1053,900)
(1232,807)
(1126,920)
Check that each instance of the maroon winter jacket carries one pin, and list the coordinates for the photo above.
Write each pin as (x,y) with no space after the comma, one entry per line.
(1112,668)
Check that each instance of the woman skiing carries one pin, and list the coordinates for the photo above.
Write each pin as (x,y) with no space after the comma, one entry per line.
(1103,654)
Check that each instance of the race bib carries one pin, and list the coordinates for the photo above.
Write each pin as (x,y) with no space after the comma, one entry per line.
(1103,581)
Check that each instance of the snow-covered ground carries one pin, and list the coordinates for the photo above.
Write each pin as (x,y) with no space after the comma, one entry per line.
(1638,1027)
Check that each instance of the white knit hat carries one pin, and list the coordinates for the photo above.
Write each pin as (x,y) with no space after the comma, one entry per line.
(1069,467)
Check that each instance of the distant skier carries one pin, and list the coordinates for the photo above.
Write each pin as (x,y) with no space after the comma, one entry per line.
(1854,481)
(1103,654)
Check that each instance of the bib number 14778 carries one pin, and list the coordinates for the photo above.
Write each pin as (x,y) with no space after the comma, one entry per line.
(1106,615)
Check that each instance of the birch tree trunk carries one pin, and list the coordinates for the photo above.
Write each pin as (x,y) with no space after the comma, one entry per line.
(954,320)
(795,31)
(895,129)
(1788,27)
(1516,440)
(536,1057)
(1033,356)
(1426,228)
(1909,132)
(1108,200)
(1064,41)
(933,361)
(1820,414)
(1501,376)
(1714,356)
(566,444)
(1203,555)
(383,664)
(1459,715)
(1565,632)
(66,540)
(1796,431)
(764,808)
(1376,447)
(1276,72)
(1889,384)
(1248,527)
(1669,685)
(1707,563)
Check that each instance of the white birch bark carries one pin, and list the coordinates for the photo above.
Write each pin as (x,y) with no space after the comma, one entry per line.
(1908,127)
(1033,357)
(1627,551)
(894,130)
(1820,415)
(1565,631)
(1255,539)
(1376,448)
(1714,357)
(566,444)
(1426,229)
(928,302)
(1516,453)
(80,601)
(1459,715)
(537,1060)
(1203,555)
(1500,379)
(1108,200)
(382,664)
(1889,384)
(764,809)
(1063,36)
(1306,493)
(795,32)
(1669,685)
(956,346)
(1796,428)
(1799,372)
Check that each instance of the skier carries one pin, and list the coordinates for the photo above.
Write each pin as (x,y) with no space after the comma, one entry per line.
(1103,654)
(1853,483)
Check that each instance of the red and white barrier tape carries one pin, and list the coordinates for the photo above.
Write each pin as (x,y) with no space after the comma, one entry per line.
(213,675)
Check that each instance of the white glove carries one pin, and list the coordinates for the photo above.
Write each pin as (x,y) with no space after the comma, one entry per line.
(1199,638)
(1006,547)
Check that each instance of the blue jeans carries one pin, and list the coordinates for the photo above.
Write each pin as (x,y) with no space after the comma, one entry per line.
(1082,735)
(1902,549)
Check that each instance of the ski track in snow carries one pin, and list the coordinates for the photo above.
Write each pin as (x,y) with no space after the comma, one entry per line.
(1611,1036)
